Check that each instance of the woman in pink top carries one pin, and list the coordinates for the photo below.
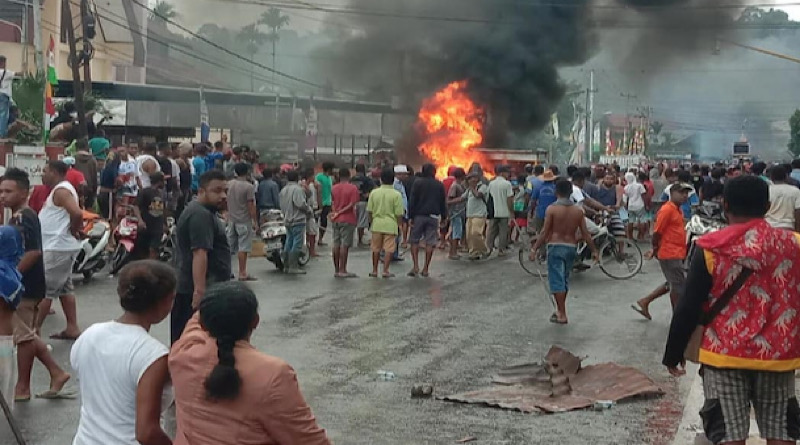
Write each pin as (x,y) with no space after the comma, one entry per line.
(226,391)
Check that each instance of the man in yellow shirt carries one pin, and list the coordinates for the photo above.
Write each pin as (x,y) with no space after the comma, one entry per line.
(385,209)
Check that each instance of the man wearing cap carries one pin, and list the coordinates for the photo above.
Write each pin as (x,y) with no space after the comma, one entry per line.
(503,197)
(542,197)
(669,247)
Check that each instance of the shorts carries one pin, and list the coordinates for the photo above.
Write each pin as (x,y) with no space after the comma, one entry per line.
(343,234)
(240,236)
(58,276)
(24,318)
(361,215)
(151,238)
(615,226)
(457,226)
(384,241)
(560,261)
(312,226)
(729,394)
(426,228)
(637,216)
(522,223)
(674,273)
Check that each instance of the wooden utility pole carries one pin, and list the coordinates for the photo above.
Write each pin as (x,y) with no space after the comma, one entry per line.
(77,86)
(87,66)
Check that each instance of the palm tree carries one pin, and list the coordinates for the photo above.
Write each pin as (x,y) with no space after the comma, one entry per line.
(136,36)
(163,10)
(252,39)
(274,19)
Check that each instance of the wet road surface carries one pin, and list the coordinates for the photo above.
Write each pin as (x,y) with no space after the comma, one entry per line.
(453,330)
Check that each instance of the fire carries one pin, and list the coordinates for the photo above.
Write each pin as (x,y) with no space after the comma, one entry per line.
(452,126)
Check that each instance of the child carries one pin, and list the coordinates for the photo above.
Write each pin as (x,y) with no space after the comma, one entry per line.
(121,368)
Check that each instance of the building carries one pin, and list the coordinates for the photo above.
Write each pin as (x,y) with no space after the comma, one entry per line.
(118,53)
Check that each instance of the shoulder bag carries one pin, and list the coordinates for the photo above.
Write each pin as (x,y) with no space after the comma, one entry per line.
(692,351)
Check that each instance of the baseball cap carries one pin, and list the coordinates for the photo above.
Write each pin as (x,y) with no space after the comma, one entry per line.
(400,168)
(681,186)
(69,160)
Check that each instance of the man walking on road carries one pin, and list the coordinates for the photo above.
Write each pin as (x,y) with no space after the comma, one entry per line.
(457,202)
(242,217)
(204,256)
(427,206)
(325,181)
(669,247)
(385,209)
(13,194)
(742,288)
(503,197)
(296,211)
(563,219)
(365,185)
(346,197)
(61,221)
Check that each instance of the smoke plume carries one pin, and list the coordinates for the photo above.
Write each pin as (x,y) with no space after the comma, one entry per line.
(509,51)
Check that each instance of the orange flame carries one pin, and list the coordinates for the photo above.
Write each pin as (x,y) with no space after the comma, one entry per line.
(452,126)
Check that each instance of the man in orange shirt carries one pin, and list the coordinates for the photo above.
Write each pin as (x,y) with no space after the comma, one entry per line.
(669,247)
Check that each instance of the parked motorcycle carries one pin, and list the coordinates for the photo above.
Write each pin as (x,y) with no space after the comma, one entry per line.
(125,236)
(273,235)
(166,252)
(706,218)
(92,255)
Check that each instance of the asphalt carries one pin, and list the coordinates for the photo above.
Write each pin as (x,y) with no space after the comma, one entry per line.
(452,330)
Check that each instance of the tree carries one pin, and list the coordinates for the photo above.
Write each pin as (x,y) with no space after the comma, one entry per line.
(136,33)
(252,39)
(768,22)
(794,138)
(163,11)
(274,19)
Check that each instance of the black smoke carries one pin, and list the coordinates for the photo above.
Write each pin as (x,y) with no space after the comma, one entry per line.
(510,51)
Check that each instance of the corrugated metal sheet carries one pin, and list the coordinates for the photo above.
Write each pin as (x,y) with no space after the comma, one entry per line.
(527,387)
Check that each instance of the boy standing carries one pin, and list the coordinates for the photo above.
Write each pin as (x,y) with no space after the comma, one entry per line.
(386,210)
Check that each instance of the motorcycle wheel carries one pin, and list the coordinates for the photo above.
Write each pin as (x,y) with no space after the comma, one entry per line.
(119,258)
(304,256)
(277,260)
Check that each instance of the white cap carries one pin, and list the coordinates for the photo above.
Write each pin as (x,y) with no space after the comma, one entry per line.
(69,160)
(400,168)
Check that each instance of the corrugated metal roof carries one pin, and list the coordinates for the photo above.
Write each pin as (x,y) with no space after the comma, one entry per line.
(527,387)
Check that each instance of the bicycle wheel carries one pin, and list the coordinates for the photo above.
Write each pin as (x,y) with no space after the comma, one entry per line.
(621,267)
(537,268)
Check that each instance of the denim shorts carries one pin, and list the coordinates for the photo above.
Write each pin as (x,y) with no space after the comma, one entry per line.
(560,261)
(457,226)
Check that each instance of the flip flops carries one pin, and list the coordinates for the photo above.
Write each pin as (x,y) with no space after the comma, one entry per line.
(554,319)
(63,336)
(248,278)
(640,310)
(64,394)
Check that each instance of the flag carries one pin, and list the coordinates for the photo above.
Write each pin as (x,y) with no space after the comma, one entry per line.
(205,128)
(556,132)
(596,138)
(50,82)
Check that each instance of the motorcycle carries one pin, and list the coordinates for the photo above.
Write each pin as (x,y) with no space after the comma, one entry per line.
(125,236)
(166,252)
(92,254)
(707,217)
(273,235)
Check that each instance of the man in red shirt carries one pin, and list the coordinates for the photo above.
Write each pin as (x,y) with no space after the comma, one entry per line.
(39,197)
(75,177)
(345,198)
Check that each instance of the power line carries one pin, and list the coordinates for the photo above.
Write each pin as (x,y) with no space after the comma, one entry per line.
(237,55)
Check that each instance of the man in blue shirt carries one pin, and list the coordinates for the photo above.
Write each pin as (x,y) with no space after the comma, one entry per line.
(542,197)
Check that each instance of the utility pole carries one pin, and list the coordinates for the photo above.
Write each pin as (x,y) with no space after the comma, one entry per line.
(77,86)
(37,36)
(87,66)
(590,116)
(628,97)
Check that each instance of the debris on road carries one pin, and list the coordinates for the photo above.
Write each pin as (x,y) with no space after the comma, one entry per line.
(386,376)
(422,390)
(467,439)
(559,384)
(603,405)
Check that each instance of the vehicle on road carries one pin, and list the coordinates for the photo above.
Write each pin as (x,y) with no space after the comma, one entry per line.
(273,235)
(92,255)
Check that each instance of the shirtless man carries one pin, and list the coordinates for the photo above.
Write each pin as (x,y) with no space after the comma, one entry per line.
(563,220)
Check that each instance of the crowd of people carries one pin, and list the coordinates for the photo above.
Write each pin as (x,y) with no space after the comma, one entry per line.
(217,196)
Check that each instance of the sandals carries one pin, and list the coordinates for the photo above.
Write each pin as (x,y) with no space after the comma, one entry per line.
(63,336)
(554,319)
(641,311)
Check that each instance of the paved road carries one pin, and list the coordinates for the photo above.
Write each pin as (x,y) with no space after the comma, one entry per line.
(453,329)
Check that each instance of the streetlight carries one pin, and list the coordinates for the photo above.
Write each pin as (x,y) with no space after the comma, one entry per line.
(21,42)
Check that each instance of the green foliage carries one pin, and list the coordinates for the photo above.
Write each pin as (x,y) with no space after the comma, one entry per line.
(28,94)
(164,10)
(794,140)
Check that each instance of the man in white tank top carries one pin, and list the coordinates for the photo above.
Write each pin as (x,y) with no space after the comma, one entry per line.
(61,220)
(147,164)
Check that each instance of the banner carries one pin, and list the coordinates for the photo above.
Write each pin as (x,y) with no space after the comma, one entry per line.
(205,128)
(50,82)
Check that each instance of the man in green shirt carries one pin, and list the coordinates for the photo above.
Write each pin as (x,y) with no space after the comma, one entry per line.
(386,210)
(325,197)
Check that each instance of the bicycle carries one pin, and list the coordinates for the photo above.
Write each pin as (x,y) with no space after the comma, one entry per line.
(615,264)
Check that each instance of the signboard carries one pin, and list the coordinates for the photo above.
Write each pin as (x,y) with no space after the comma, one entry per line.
(32,164)
(29,149)
(741,149)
